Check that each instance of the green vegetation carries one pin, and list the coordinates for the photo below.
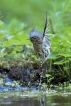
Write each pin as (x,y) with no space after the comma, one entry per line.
(18,17)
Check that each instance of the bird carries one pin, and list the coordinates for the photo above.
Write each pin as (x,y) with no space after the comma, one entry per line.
(41,41)
(41,44)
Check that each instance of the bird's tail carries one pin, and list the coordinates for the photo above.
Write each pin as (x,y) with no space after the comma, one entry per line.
(45,32)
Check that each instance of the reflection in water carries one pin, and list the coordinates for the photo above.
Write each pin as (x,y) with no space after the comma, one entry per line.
(21,102)
(41,101)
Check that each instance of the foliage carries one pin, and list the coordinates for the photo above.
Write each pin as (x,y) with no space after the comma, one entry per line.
(17,17)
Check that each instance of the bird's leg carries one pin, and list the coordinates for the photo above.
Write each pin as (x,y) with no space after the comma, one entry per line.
(42,70)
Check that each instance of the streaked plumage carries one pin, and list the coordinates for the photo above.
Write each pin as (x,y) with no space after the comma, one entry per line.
(41,42)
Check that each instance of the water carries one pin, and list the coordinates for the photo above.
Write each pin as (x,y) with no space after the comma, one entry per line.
(56,101)
(10,85)
(51,99)
(14,95)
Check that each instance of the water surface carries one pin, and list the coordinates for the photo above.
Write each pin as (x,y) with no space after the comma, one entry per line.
(50,99)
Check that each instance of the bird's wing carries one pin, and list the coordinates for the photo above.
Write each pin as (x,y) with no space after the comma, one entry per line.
(46,40)
(45,27)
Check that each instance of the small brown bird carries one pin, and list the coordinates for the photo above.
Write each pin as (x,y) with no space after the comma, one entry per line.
(41,43)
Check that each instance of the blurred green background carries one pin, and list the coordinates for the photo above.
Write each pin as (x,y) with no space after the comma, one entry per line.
(33,11)
(15,15)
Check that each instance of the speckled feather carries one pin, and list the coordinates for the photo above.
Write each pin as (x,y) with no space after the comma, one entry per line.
(41,42)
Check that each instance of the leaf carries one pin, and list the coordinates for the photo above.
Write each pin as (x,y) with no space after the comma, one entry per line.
(48,75)
(1,23)
(65,54)
(52,56)
(61,62)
